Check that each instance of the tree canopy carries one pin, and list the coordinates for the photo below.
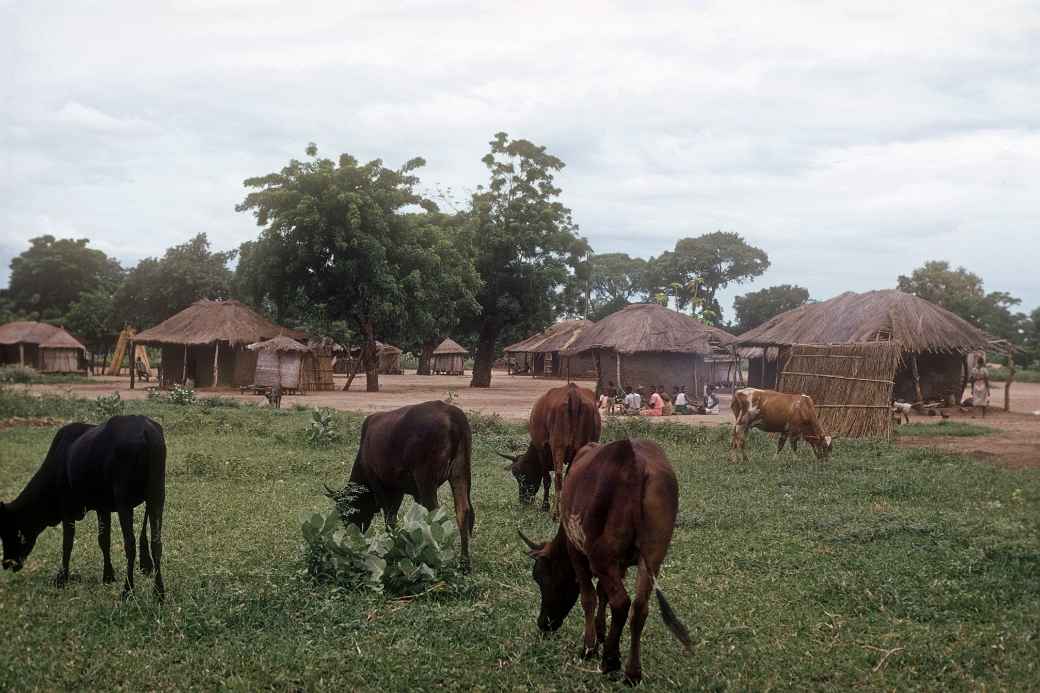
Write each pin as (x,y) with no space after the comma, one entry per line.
(754,308)
(48,278)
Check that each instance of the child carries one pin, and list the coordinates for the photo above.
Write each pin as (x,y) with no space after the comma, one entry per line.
(682,405)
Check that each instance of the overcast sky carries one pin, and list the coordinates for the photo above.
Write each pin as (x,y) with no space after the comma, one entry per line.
(851,144)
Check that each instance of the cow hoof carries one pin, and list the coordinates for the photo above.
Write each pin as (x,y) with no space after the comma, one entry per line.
(108,577)
(127,593)
(589,652)
(146,568)
(609,665)
(61,578)
(633,678)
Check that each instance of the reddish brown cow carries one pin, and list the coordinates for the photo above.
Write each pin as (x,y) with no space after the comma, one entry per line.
(792,416)
(562,421)
(619,505)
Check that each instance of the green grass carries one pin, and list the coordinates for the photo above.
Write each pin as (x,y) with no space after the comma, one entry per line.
(21,375)
(956,429)
(1021,376)
(790,574)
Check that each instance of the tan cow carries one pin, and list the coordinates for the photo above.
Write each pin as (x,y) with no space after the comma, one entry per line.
(792,416)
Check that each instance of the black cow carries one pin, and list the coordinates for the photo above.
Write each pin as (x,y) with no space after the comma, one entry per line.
(411,450)
(109,468)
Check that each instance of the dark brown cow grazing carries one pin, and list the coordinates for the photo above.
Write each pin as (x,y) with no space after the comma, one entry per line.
(619,505)
(411,450)
(562,421)
(792,416)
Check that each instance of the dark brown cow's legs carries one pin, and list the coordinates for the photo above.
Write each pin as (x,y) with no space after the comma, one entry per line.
(617,597)
(640,609)
(104,540)
(126,523)
(68,538)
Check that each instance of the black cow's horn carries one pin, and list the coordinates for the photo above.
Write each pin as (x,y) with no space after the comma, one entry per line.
(530,544)
(511,458)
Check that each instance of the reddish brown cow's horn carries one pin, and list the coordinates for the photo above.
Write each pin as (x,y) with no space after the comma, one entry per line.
(530,544)
(511,458)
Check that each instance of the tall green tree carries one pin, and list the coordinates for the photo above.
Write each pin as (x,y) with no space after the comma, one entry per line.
(962,292)
(92,318)
(616,280)
(338,233)
(524,241)
(754,308)
(157,288)
(698,268)
(49,277)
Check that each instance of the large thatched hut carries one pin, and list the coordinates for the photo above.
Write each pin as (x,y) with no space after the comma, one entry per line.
(206,343)
(933,342)
(449,358)
(541,354)
(646,345)
(47,348)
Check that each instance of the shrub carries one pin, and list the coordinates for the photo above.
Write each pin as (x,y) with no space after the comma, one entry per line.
(18,375)
(408,560)
(107,406)
(182,395)
(322,430)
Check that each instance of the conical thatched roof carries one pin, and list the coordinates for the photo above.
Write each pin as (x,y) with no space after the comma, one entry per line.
(43,335)
(650,327)
(280,343)
(205,322)
(449,346)
(873,316)
(554,338)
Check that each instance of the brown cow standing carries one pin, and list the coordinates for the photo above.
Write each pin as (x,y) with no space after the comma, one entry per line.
(619,505)
(792,416)
(562,421)
(411,450)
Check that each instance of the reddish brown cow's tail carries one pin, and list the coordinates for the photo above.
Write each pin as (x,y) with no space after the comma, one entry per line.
(671,620)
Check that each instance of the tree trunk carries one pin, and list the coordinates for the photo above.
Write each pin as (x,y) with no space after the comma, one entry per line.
(370,359)
(354,364)
(426,356)
(485,357)
(1010,378)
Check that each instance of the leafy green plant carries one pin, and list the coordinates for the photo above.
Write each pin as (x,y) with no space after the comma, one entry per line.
(107,406)
(18,375)
(322,429)
(182,395)
(408,560)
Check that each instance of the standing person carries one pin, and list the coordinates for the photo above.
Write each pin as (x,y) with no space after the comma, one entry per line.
(667,400)
(980,386)
(682,405)
(633,401)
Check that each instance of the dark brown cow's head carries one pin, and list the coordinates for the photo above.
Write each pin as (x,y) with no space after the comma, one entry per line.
(557,583)
(528,471)
(17,545)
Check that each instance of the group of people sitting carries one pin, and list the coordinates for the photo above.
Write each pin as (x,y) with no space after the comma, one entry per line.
(655,401)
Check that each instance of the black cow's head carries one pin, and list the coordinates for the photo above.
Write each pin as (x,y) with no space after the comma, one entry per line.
(528,472)
(17,544)
(556,581)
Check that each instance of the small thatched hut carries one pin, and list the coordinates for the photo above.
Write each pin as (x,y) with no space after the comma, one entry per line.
(47,348)
(387,355)
(646,344)
(206,343)
(448,359)
(933,341)
(279,361)
(540,354)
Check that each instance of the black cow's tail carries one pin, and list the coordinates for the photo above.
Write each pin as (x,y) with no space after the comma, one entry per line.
(671,620)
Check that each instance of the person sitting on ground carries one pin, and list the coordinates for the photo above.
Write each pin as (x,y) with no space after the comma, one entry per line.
(682,405)
(633,401)
(667,399)
(980,387)
(711,402)
(656,404)
(617,397)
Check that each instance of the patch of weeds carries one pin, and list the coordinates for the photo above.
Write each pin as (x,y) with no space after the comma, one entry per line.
(184,396)
(956,429)
(321,432)
(107,406)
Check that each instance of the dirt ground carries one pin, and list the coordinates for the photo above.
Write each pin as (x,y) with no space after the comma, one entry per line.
(1017,445)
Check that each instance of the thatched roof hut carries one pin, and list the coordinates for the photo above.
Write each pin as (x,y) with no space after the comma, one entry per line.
(932,341)
(540,354)
(47,348)
(647,345)
(449,358)
(206,343)
(387,355)
(278,362)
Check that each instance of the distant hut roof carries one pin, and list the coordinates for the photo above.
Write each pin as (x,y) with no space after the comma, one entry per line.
(872,316)
(205,322)
(279,343)
(554,338)
(650,327)
(43,335)
(449,346)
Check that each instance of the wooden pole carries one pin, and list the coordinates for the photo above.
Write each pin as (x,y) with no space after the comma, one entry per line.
(618,355)
(21,354)
(216,364)
(695,383)
(1010,378)
(133,366)
(917,377)
(184,368)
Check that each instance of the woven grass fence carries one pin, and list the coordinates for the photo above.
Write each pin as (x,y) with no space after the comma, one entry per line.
(851,385)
